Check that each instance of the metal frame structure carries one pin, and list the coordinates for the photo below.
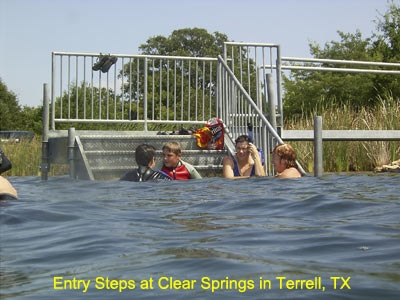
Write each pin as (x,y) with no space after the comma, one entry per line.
(242,86)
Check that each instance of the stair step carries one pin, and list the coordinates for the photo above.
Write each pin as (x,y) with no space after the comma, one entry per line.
(131,142)
(127,158)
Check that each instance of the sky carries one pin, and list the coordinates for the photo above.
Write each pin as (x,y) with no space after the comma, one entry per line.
(30,30)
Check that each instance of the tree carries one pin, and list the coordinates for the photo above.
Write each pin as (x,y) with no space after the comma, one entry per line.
(193,42)
(192,80)
(386,47)
(10,110)
(90,102)
(387,39)
(310,91)
(13,117)
(32,119)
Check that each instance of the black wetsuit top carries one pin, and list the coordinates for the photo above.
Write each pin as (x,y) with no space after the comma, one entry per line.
(5,164)
(145,174)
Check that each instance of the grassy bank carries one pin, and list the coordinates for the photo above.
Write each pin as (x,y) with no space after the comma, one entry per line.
(353,155)
(337,156)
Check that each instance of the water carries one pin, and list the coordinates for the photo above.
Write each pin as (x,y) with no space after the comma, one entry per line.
(224,234)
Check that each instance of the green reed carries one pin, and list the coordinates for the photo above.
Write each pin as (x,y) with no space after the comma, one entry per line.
(344,156)
(26,157)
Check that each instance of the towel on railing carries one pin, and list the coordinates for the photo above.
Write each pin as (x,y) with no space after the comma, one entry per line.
(211,136)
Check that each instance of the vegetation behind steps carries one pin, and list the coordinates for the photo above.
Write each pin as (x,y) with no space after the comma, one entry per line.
(338,156)
(346,156)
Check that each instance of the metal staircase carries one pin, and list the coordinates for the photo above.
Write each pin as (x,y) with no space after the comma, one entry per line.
(100,156)
(236,88)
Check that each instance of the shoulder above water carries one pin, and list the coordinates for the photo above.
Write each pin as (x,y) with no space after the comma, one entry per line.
(290,173)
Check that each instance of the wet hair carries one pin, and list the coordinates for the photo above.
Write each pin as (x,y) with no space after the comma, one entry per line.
(173,147)
(286,152)
(144,154)
(242,138)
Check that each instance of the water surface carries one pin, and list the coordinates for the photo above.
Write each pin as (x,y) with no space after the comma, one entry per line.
(214,237)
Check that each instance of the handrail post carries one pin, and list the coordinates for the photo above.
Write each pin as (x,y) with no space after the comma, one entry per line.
(44,167)
(53,82)
(71,152)
(318,146)
(145,95)
(271,100)
(279,87)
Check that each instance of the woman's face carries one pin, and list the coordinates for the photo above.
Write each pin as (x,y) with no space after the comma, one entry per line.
(278,162)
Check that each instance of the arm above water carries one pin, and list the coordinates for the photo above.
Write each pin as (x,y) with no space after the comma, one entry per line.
(227,167)
(194,174)
(255,155)
(7,189)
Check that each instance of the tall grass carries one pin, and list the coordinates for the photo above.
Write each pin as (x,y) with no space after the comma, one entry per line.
(26,157)
(341,156)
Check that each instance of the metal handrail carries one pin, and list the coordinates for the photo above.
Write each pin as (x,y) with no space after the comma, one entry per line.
(232,92)
(236,109)
(371,64)
(248,99)
(137,89)
(339,61)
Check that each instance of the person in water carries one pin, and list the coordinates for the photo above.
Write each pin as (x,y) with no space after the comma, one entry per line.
(246,163)
(145,156)
(5,163)
(174,166)
(284,161)
(7,191)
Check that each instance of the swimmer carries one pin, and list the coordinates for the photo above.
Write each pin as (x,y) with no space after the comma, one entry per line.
(246,163)
(7,191)
(284,161)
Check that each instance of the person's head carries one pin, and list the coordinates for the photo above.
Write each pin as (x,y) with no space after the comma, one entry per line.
(5,164)
(145,155)
(242,146)
(172,154)
(283,157)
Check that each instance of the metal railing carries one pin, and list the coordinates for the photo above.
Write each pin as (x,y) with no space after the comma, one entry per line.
(136,89)
(248,61)
(182,90)
(144,89)
(237,109)
(319,64)
(148,89)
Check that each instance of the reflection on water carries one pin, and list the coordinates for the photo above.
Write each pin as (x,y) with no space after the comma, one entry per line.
(341,230)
